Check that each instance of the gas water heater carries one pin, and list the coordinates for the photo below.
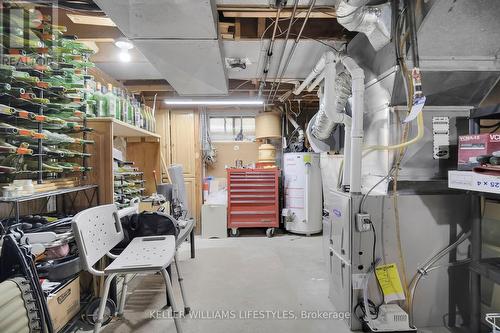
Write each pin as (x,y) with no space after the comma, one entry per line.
(302,210)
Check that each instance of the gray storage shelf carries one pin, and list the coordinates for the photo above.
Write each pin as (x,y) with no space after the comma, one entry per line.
(48,194)
(479,267)
(15,202)
(487,268)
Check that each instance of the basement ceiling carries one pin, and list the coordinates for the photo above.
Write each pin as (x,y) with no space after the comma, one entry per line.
(187,45)
(255,52)
(192,67)
(179,38)
(267,3)
(163,19)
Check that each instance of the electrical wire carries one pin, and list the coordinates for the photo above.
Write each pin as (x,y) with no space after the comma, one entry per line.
(372,308)
(262,50)
(374,244)
(495,129)
(362,203)
(294,46)
(242,84)
(490,126)
(269,52)
(282,52)
(394,172)
(319,41)
(429,266)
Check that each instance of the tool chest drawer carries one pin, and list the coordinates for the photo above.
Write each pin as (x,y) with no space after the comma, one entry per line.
(253,198)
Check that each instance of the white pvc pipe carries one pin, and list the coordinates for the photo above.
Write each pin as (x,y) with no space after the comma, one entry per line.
(306,189)
(319,78)
(353,142)
(358,90)
(315,72)
(330,77)
(347,156)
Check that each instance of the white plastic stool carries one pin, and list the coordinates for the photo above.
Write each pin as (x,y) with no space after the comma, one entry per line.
(97,230)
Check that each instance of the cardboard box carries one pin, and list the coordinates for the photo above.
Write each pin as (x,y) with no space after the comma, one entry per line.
(473,181)
(149,206)
(64,304)
(472,146)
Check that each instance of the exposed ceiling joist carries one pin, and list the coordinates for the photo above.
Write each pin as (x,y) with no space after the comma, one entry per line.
(325,14)
(149,87)
(91,20)
(97,40)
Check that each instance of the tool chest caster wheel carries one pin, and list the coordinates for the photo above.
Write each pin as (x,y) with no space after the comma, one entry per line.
(270,232)
(234,232)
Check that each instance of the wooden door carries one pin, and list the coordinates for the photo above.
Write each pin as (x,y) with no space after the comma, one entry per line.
(185,150)
(183,144)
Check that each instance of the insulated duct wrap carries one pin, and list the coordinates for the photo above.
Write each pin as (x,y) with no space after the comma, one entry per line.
(323,126)
(373,21)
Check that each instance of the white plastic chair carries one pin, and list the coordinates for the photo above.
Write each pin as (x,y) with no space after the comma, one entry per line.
(97,230)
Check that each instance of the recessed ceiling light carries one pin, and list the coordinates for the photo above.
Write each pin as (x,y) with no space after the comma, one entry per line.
(124,44)
(125,56)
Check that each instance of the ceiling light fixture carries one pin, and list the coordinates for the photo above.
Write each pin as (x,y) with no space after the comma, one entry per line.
(125,56)
(214,102)
(125,46)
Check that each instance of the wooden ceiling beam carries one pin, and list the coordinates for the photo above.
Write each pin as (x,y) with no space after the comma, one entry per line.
(324,14)
(150,87)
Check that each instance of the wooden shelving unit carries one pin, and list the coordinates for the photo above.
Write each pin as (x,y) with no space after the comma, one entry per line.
(143,148)
(123,129)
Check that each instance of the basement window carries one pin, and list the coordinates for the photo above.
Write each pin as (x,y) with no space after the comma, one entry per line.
(232,128)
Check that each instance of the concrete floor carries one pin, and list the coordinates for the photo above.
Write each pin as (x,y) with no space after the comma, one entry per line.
(286,274)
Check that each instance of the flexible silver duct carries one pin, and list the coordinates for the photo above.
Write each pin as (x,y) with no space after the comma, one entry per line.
(323,126)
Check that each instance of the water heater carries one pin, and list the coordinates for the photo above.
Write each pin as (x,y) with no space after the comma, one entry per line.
(302,210)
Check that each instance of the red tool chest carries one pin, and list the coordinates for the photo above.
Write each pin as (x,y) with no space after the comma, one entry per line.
(253,199)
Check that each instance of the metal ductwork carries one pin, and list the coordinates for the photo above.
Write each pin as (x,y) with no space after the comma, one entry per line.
(373,21)
(458,50)
(334,93)
(323,126)
(179,38)
(458,61)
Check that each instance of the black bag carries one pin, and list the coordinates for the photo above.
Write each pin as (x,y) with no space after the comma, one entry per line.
(152,224)
(146,224)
